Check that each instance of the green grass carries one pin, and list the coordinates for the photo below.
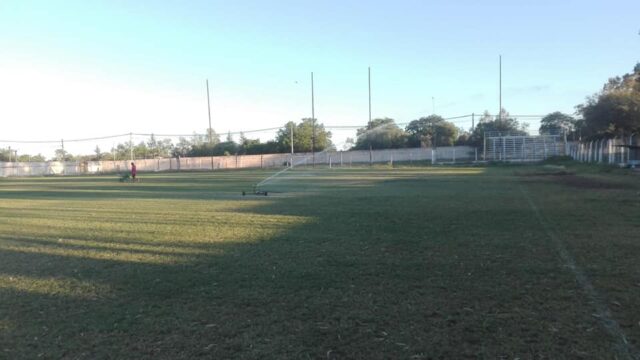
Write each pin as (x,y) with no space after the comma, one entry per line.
(407,262)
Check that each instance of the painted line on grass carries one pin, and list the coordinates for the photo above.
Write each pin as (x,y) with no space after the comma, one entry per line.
(603,313)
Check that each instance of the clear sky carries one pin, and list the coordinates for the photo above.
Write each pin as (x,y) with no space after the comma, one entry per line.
(72,69)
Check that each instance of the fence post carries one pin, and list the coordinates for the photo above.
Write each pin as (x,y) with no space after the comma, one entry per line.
(611,149)
(629,152)
(484,147)
(454,154)
(493,143)
(600,150)
(504,149)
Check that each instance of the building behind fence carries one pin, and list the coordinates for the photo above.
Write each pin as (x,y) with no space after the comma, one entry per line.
(451,154)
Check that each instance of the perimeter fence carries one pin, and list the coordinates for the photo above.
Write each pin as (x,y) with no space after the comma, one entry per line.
(452,154)
(623,151)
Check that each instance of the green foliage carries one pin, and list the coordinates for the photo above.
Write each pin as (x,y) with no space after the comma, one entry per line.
(62,155)
(499,126)
(5,155)
(382,133)
(615,111)
(556,123)
(9,155)
(303,137)
(431,131)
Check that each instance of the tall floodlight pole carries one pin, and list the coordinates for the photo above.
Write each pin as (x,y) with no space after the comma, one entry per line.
(209,112)
(500,86)
(291,130)
(210,129)
(313,123)
(369,94)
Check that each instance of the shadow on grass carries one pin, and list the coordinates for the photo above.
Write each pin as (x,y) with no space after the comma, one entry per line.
(427,267)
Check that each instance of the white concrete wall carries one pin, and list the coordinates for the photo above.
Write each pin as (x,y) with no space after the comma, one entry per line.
(336,158)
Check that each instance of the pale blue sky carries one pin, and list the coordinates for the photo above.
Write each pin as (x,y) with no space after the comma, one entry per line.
(89,68)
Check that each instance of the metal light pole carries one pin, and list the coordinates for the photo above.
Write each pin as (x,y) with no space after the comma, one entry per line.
(209,112)
(313,123)
(500,88)
(369,94)
(291,130)
(210,129)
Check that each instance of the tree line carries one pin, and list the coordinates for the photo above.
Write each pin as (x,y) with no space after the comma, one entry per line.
(614,111)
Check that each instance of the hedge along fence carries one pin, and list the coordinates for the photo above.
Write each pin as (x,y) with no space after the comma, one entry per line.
(329,158)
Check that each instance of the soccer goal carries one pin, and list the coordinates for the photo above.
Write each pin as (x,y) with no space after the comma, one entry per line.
(499,147)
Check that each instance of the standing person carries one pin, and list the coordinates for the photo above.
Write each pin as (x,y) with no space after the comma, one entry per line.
(133,171)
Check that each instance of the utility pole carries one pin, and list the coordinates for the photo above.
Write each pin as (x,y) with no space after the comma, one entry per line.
(369,94)
(313,123)
(370,149)
(500,91)
(210,130)
(131,146)
(291,130)
(62,155)
(473,121)
(209,112)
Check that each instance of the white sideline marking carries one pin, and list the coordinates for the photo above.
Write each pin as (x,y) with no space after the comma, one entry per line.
(621,345)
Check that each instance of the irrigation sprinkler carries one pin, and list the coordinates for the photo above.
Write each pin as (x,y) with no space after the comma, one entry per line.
(255,191)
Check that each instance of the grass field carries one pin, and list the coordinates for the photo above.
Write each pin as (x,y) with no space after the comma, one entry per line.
(509,262)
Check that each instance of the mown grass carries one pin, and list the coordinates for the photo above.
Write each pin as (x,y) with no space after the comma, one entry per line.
(408,262)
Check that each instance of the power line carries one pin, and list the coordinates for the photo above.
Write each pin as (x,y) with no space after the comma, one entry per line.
(461,118)
(58,141)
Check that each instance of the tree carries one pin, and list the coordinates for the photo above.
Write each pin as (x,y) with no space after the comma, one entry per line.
(182,148)
(212,137)
(503,125)
(615,111)
(283,138)
(303,137)
(380,134)
(5,154)
(63,155)
(159,148)
(31,158)
(557,123)
(349,143)
(431,131)
(98,154)
(141,151)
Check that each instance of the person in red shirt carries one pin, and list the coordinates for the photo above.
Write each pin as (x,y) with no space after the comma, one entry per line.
(133,171)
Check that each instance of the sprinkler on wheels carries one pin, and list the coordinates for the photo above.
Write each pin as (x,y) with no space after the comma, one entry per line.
(256,191)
